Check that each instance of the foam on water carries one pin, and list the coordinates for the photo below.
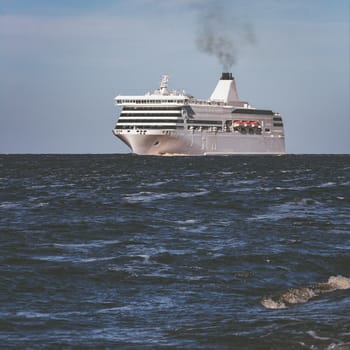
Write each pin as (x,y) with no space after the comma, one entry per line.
(30,204)
(333,343)
(194,229)
(92,244)
(154,184)
(303,208)
(33,314)
(11,205)
(146,197)
(74,259)
(314,335)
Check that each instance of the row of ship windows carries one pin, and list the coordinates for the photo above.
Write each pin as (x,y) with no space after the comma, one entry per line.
(127,114)
(189,122)
(175,112)
(210,122)
(150,101)
(201,128)
(239,110)
(131,127)
(149,126)
(151,108)
(178,121)
(137,121)
(252,111)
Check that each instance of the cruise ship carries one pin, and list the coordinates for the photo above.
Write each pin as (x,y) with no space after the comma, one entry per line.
(169,122)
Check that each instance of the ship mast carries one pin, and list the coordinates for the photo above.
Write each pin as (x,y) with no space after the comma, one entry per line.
(163,89)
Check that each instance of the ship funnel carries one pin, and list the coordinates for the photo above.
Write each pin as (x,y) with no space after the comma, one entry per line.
(226,76)
(225,90)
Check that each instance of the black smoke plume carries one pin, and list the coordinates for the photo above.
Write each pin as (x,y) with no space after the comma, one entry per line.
(221,35)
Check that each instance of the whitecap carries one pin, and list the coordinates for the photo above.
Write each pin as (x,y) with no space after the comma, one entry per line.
(326,184)
(194,278)
(196,229)
(131,271)
(305,207)
(240,189)
(113,309)
(74,246)
(308,201)
(40,205)
(22,205)
(54,258)
(92,244)
(146,197)
(185,222)
(60,185)
(155,184)
(87,260)
(263,217)
(32,314)
(315,336)
(108,242)
(145,257)
(10,205)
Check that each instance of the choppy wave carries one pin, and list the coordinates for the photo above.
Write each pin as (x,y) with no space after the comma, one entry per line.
(72,259)
(86,245)
(146,197)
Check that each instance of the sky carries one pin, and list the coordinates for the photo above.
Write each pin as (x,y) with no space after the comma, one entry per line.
(63,61)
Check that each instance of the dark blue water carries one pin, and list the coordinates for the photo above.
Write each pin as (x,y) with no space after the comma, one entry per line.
(127,252)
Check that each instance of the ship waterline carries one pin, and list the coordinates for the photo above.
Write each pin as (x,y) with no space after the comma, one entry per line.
(171,123)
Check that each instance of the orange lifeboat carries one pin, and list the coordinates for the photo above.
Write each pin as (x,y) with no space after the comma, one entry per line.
(237,123)
(254,124)
(240,123)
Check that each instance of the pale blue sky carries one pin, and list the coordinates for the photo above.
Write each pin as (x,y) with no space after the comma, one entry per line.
(62,63)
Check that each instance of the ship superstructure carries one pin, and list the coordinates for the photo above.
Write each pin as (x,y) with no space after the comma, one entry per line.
(172,123)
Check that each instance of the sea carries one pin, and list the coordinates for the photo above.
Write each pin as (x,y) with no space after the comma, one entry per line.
(120,251)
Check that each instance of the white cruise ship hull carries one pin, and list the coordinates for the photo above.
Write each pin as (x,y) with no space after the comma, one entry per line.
(187,143)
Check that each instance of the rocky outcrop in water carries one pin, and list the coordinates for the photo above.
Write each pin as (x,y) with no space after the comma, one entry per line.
(301,295)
